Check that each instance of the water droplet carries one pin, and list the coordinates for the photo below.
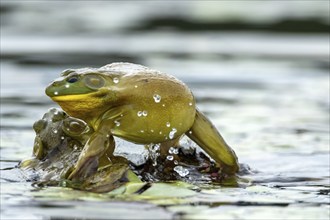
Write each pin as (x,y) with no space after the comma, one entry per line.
(172,133)
(116,80)
(170,157)
(176,162)
(62,137)
(157,98)
(190,104)
(142,131)
(152,131)
(181,171)
(55,131)
(168,124)
(155,147)
(160,132)
(173,150)
(75,147)
(139,113)
(121,115)
(135,86)
(108,136)
(67,85)
(190,132)
(163,105)
(56,93)
(154,163)
(144,113)
(117,123)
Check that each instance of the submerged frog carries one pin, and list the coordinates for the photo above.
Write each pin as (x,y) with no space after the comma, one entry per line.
(59,139)
(58,143)
(137,104)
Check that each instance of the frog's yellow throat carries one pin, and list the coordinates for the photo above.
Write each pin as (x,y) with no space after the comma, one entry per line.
(83,106)
(74,97)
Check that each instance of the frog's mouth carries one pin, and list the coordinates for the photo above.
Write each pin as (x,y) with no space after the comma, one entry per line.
(75,97)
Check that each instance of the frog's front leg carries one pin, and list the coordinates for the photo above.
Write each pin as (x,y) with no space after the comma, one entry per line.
(97,149)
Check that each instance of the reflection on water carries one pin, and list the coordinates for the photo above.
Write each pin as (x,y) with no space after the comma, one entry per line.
(266,90)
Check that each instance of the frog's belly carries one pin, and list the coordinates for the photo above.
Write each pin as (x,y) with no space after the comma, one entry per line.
(153,126)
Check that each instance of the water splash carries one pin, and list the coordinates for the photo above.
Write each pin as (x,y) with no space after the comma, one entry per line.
(115,80)
(172,133)
(154,153)
(169,157)
(181,171)
(173,150)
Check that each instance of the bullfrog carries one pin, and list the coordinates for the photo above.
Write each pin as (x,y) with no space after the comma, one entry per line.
(137,104)
(59,141)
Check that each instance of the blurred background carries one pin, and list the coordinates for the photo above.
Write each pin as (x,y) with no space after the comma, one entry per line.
(258,69)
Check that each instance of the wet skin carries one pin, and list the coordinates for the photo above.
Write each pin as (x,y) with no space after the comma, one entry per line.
(137,104)
(58,143)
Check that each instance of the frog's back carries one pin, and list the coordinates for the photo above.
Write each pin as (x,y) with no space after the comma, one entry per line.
(157,104)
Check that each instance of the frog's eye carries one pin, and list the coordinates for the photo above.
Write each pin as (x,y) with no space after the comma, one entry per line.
(39,125)
(74,127)
(72,79)
(94,81)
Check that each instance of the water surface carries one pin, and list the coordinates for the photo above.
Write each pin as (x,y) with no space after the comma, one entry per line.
(266,92)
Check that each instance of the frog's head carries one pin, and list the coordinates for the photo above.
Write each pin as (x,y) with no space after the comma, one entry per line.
(82,93)
(58,130)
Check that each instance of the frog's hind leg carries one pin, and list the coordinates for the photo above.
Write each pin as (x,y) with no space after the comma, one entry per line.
(207,137)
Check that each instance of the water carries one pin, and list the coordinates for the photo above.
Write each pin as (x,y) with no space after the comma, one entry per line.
(267,92)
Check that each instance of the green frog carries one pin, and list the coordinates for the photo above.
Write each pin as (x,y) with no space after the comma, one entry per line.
(138,104)
(59,141)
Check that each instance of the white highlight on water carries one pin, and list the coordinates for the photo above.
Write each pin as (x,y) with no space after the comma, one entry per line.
(181,171)
(169,157)
(172,133)
(173,150)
